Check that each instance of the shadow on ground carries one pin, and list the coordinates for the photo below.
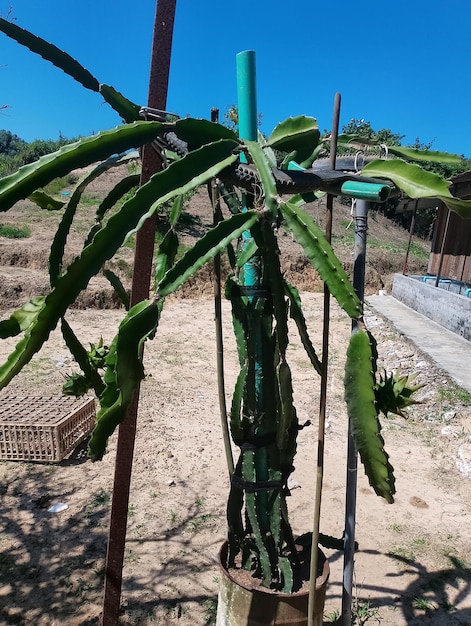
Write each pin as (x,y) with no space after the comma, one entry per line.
(52,564)
(439,597)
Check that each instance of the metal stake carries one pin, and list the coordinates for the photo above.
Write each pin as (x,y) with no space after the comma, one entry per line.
(324,380)
(151,163)
(409,242)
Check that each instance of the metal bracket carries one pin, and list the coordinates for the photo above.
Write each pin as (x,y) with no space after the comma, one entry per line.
(157,115)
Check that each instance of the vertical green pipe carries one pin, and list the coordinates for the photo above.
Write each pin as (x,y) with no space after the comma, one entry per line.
(247,95)
(252,270)
(247,111)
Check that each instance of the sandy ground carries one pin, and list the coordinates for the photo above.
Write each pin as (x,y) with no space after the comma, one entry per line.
(412,566)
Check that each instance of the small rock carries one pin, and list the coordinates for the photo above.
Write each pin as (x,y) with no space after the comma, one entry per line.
(58,507)
(447,431)
(418,502)
(293,484)
(463,462)
(449,415)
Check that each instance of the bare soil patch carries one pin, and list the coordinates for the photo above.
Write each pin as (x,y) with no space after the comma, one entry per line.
(412,566)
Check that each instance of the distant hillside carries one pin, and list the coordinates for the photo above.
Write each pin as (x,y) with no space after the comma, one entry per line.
(24,261)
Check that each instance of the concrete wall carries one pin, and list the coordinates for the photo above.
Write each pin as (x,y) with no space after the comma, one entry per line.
(444,307)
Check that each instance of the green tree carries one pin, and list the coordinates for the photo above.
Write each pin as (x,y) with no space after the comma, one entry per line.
(10,144)
(231,118)
(15,152)
(384,136)
(363,128)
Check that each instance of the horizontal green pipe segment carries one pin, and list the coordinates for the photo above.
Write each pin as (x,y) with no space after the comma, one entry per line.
(365,191)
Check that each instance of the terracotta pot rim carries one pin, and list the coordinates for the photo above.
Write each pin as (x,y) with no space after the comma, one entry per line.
(320,582)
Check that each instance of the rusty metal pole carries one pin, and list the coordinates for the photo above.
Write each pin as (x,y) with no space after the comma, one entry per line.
(442,249)
(324,378)
(411,234)
(151,163)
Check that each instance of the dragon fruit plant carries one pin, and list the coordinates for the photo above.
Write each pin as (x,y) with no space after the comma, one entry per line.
(263,419)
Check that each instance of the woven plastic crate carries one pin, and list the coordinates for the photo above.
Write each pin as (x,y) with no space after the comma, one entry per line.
(43,428)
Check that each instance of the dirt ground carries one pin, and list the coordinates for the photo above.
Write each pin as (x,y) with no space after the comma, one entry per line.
(413,565)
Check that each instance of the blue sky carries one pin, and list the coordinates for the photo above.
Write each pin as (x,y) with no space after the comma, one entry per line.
(402,65)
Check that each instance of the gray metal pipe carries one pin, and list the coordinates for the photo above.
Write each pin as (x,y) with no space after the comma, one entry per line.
(361,227)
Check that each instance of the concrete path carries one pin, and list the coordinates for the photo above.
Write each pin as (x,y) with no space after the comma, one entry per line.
(449,351)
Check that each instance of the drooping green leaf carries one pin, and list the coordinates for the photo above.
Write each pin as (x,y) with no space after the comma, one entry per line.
(239,319)
(254,516)
(124,186)
(118,287)
(265,237)
(80,354)
(195,169)
(235,503)
(288,411)
(460,207)
(286,570)
(139,323)
(79,154)
(363,415)
(44,201)
(114,195)
(205,249)
(124,107)
(320,253)
(300,134)
(418,183)
(247,253)
(176,210)
(230,197)
(297,315)
(58,245)
(198,132)
(266,175)
(356,141)
(235,420)
(56,253)
(21,320)
(431,156)
(51,53)
(410,178)
(166,254)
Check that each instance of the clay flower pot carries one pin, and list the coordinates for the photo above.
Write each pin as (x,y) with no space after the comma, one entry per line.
(242,604)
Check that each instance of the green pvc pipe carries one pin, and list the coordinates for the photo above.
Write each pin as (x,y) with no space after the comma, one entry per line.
(374,192)
(252,270)
(247,95)
(247,110)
